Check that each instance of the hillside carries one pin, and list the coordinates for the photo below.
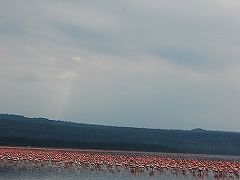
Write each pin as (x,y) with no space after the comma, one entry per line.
(22,131)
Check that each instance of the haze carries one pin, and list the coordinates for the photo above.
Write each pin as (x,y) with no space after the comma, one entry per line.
(143,63)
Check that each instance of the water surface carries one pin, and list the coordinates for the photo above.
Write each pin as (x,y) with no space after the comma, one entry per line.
(27,169)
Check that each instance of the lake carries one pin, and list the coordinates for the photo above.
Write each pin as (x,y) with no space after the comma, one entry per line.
(55,164)
(13,173)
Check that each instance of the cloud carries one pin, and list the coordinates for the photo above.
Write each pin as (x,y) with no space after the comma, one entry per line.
(77,59)
(67,75)
(148,63)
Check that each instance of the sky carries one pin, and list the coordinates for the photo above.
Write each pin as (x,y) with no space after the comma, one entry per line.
(140,63)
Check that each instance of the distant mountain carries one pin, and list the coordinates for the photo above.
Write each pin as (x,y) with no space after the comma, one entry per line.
(199,130)
(41,132)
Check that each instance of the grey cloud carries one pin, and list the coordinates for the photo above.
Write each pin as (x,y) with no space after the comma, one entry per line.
(132,63)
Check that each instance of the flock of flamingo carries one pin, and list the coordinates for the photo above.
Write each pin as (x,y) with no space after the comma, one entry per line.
(136,163)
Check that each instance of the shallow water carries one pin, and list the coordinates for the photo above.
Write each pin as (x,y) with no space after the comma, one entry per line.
(29,171)
(11,173)
(47,170)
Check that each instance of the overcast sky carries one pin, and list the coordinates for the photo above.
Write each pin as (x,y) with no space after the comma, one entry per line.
(143,63)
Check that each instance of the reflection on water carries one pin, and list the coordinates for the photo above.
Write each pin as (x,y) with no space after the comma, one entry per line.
(48,171)
(51,172)
(55,164)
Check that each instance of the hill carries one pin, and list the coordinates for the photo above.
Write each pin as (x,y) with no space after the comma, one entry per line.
(40,132)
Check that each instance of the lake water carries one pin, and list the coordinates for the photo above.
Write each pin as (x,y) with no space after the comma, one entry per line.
(13,173)
(28,170)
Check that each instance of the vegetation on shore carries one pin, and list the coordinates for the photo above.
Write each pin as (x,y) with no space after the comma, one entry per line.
(40,132)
